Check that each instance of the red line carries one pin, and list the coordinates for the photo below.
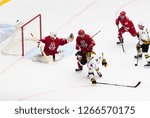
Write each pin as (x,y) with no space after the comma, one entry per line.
(13,63)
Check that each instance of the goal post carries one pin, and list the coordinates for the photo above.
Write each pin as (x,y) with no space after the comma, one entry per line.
(21,41)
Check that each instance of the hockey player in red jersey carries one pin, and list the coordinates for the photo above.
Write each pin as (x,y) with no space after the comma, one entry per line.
(84,44)
(127,26)
(49,46)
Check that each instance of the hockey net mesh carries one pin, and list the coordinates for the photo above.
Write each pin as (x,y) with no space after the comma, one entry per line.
(21,42)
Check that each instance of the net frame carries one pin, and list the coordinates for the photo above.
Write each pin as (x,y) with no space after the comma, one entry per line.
(28,22)
(15,45)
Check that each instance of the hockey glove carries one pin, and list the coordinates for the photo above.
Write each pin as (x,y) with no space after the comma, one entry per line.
(78,47)
(79,57)
(70,38)
(104,63)
(78,53)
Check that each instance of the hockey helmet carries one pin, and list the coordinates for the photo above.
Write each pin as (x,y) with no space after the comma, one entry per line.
(81,32)
(88,54)
(122,14)
(141,24)
(53,35)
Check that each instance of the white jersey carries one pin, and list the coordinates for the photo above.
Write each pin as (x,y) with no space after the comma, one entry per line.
(143,35)
(93,64)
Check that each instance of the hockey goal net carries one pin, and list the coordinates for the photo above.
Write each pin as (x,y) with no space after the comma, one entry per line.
(21,42)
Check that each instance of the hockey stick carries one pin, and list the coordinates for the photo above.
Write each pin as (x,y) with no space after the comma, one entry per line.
(137,60)
(43,53)
(121,43)
(122,47)
(120,84)
(96,33)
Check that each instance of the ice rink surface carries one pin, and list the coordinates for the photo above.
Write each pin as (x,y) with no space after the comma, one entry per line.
(22,79)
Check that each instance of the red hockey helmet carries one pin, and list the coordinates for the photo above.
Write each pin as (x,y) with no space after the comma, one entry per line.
(122,13)
(81,32)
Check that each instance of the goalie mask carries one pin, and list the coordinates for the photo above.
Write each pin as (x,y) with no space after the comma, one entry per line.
(53,35)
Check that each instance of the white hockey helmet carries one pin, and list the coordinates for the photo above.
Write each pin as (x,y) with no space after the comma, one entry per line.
(53,35)
(140,24)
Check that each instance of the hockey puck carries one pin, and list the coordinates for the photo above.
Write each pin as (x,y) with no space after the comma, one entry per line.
(135,64)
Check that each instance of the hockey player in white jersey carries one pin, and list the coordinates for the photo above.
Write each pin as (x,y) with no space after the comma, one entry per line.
(143,43)
(93,65)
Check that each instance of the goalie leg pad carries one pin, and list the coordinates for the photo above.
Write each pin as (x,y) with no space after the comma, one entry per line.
(59,56)
(40,58)
(36,57)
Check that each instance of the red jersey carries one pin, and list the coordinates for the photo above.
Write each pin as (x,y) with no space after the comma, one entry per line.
(126,23)
(86,44)
(51,45)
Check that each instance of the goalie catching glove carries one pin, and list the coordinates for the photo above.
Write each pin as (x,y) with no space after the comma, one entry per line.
(104,63)
(70,38)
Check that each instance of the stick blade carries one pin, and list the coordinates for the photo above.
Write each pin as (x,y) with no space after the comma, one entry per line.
(137,84)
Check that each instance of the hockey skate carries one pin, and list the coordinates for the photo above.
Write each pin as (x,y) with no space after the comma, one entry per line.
(138,56)
(147,65)
(78,69)
(120,42)
(93,81)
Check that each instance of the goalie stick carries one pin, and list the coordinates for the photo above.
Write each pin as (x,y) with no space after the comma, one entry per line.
(43,53)
(120,84)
